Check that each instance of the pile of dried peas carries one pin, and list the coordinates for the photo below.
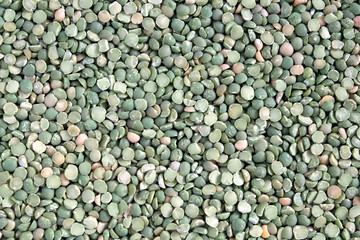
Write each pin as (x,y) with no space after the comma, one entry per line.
(195,119)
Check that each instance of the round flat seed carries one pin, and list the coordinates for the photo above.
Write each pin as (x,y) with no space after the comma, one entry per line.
(137,224)
(12,86)
(332,230)
(192,211)
(53,182)
(230,198)
(88,196)
(131,40)
(67,67)
(18,149)
(270,212)
(247,93)
(341,94)
(334,192)
(71,172)
(256,231)
(244,207)
(77,229)
(16,183)
(98,114)
(38,147)
(10,109)
(124,177)
(235,110)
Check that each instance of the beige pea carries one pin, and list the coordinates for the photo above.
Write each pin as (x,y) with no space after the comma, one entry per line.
(265,234)
(81,138)
(61,105)
(39,147)
(219,189)
(356,201)
(73,130)
(279,96)
(46,172)
(98,200)
(133,137)
(189,109)
(137,18)
(258,44)
(354,89)
(124,177)
(99,173)
(239,8)
(322,20)
(76,16)
(128,211)
(115,8)
(165,140)
(58,158)
(277,60)
(168,199)
(56,84)
(336,3)
(101,60)
(13,140)
(241,145)
(286,49)
(356,21)
(259,57)
(46,88)
(298,58)
(64,180)
(104,16)
(288,29)
(175,166)
(342,133)
(319,63)
(188,69)
(60,14)
(38,233)
(324,159)
(357,58)
(224,67)
(350,226)
(299,2)
(101,227)
(277,26)
(264,113)
(114,166)
(27,54)
(220,90)
(285,201)
(264,12)
(334,192)
(297,70)
(71,92)
(238,68)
